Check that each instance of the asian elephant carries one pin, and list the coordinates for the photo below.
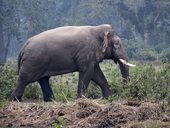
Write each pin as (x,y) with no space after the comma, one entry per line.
(70,49)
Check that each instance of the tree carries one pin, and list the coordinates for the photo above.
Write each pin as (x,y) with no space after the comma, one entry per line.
(9,25)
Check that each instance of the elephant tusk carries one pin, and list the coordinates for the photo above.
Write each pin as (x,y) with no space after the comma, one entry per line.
(126,63)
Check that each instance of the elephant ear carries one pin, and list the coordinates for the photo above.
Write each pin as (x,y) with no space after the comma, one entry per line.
(105,41)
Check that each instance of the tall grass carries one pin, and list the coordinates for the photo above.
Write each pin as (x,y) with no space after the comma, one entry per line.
(150,82)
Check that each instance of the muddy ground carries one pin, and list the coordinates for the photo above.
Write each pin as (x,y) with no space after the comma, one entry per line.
(84,113)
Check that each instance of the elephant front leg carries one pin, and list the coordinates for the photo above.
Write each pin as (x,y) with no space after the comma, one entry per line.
(100,80)
(84,80)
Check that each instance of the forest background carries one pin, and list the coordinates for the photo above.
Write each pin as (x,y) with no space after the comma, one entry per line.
(143,25)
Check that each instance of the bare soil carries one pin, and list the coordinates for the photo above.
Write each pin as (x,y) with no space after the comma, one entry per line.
(83,113)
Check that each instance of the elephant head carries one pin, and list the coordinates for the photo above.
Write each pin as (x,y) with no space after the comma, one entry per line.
(113,49)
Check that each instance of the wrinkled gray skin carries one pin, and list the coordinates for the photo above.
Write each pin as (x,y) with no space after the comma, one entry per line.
(69,49)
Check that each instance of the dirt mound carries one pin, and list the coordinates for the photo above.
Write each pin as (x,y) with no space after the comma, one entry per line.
(82,113)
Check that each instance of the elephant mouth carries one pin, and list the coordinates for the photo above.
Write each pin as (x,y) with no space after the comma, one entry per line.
(126,63)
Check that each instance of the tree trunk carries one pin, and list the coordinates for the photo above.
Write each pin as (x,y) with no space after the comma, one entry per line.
(2,46)
(8,43)
(146,37)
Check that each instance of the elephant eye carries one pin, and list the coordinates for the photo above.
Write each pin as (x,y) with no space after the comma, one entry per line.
(116,45)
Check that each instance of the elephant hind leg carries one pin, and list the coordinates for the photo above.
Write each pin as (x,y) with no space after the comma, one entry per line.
(84,80)
(19,90)
(46,89)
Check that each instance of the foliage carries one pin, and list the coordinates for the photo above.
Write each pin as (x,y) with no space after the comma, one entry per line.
(7,80)
(165,55)
(33,92)
(9,12)
(139,51)
(58,123)
(149,81)
(3,103)
(64,87)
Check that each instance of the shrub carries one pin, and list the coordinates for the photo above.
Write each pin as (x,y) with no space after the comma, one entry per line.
(149,82)
(7,80)
(165,55)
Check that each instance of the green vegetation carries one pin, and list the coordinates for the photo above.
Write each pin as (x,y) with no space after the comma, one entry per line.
(147,82)
(58,123)
(8,78)
(64,87)
(138,51)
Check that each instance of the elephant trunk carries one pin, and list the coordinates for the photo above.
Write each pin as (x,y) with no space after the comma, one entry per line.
(124,71)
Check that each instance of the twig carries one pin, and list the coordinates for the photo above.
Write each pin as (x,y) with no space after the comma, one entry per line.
(54,101)
(65,97)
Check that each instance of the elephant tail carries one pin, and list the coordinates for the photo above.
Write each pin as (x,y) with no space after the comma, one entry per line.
(20,56)
(19,60)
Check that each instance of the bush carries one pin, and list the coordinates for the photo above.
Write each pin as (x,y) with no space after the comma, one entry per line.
(7,79)
(165,55)
(149,82)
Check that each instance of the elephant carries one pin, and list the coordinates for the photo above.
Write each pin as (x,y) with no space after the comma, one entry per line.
(70,49)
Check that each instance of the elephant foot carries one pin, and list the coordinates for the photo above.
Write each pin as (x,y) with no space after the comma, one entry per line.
(107,94)
(48,99)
